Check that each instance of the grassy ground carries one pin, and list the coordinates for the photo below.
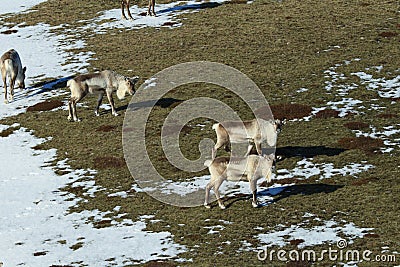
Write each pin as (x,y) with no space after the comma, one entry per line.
(282,46)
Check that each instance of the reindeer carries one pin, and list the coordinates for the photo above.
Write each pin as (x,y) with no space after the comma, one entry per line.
(251,168)
(105,82)
(11,66)
(126,3)
(254,131)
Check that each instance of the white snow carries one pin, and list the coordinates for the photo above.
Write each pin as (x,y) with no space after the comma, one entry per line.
(14,6)
(167,16)
(389,134)
(306,169)
(45,57)
(35,218)
(386,87)
(36,228)
(329,232)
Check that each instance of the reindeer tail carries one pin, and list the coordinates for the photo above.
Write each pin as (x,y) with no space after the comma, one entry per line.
(215,126)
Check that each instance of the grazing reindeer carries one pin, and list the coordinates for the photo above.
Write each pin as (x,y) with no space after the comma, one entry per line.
(254,131)
(10,65)
(105,82)
(126,3)
(253,167)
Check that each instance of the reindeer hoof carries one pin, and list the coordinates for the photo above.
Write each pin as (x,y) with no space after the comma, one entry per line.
(96,113)
(207,206)
(222,207)
(115,114)
(254,204)
(6,101)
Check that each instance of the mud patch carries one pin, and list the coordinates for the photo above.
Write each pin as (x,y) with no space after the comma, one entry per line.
(9,31)
(237,2)
(387,116)
(159,264)
(388,34)
(106,128)
(287,111)
(40,253)
(356,125)
(46,105)
(8,131)
(109,162)
(327,113)
(367,144)
(169,23)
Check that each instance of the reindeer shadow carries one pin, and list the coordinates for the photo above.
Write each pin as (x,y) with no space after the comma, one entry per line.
(163,103)
(190,7)
(283,192)
(307,152)
(42,87)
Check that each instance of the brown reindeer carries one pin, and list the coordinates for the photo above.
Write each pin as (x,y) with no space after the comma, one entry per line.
(126,3)
(11,66)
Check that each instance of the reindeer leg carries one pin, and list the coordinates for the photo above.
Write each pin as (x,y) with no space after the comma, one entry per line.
(216,146)
(249,148)
(75,100)
(207,197)
(129,12)
(217,184)
(5,89)
(253,188)
(150,10)
(70,109)
(122,9)
(153,2)
(111,100)
(12,84)
(74,114)
(258,147)
(96,112)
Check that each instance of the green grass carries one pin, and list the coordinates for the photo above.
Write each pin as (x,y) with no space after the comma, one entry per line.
(279,45)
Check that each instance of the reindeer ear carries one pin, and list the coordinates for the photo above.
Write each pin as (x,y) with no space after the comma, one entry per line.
(24,69)
(134,79)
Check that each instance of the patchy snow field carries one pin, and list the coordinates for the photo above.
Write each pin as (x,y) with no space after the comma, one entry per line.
(37,230)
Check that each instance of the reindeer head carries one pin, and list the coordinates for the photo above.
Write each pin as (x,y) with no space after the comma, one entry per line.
(21,79)
(127,86)
(279,124)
